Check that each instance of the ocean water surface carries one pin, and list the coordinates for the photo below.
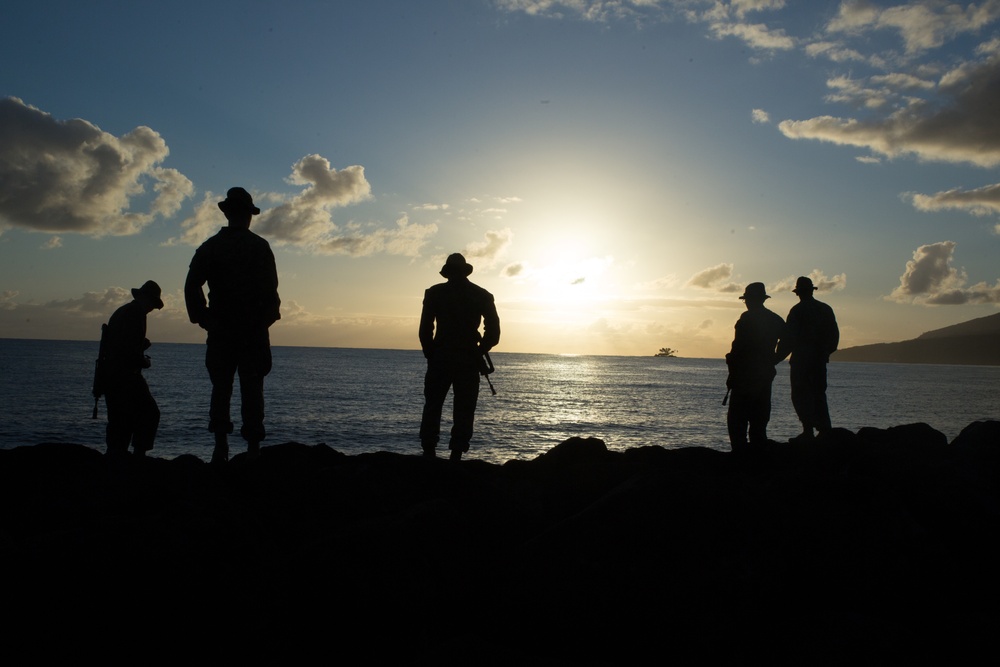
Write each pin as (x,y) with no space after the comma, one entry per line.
(358,400)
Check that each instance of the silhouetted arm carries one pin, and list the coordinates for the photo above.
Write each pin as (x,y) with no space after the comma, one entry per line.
(194,295)
(273,301)
(491,327)
(426,331)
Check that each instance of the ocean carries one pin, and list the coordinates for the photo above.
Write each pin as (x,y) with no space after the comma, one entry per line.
(357,400)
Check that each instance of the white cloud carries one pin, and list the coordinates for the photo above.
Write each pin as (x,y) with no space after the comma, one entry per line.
(304,219)
(930,279)
(757,35)
(921,25)
(52,242)
(835,51)
(70,176)
(980,201)
(760,116)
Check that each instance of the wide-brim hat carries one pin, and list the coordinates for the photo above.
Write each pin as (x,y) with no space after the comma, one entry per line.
(149,291)
(456,266)
(755,292)
(804,284)
(238,199)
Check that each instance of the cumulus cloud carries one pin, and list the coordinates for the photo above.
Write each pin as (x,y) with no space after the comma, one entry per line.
(718,278)
(930,279)
(52,242)
(489,251)
(980,201)
(70,176)
(760,116)
(305,220)
(820,281)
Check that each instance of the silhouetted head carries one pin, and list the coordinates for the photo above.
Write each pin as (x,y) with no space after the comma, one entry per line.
(804,287)
(148,294)
(238,206)
(754,294)
(456,267)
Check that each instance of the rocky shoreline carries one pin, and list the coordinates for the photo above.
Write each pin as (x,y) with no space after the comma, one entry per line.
(875,547)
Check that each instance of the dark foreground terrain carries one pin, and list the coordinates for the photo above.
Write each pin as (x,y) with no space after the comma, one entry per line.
(879,547)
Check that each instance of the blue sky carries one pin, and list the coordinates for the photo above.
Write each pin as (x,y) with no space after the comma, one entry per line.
(617,172)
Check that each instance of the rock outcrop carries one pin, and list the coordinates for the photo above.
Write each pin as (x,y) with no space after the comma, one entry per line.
(876,547)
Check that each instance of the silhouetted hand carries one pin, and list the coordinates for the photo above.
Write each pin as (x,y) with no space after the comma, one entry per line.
(146,361)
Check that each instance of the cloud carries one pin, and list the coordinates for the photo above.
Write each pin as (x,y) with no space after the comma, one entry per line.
(760,116)
(716,278)
(819,279)
(489,251)
(513,270)
(70,176)
(963,128)
(981,201)
(930,279)
(405,239)
(304,220)
(835,51)
(52,242)
(757,35)
(921,25)
(587,10)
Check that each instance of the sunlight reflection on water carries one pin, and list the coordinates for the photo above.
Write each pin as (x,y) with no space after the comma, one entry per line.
(371,400)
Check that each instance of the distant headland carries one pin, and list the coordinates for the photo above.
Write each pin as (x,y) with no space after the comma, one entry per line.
(976,342)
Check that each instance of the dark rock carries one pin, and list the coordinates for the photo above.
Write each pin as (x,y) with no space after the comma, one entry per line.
(874,547)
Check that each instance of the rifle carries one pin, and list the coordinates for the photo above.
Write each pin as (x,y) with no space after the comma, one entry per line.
(485,368)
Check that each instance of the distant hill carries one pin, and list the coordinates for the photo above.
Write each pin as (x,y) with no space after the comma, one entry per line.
(974,342)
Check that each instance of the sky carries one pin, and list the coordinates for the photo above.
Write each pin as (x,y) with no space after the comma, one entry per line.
(616,171)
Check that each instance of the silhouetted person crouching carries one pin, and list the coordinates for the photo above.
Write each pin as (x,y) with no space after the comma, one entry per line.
(751,371)
(452,345)
(133,415)
(811,337)
(242,303)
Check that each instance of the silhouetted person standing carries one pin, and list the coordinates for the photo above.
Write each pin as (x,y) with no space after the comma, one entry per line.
(242,303)
(133,415)
(751,370)
(811,337)
(453,346)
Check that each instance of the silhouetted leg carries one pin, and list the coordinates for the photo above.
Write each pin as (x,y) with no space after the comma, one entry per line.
(821,411)
(119,429)
(147,417)
(221,361)
(737,421)
(802,396)
(254,364)
(759,415)
(437,381)
(466,397)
